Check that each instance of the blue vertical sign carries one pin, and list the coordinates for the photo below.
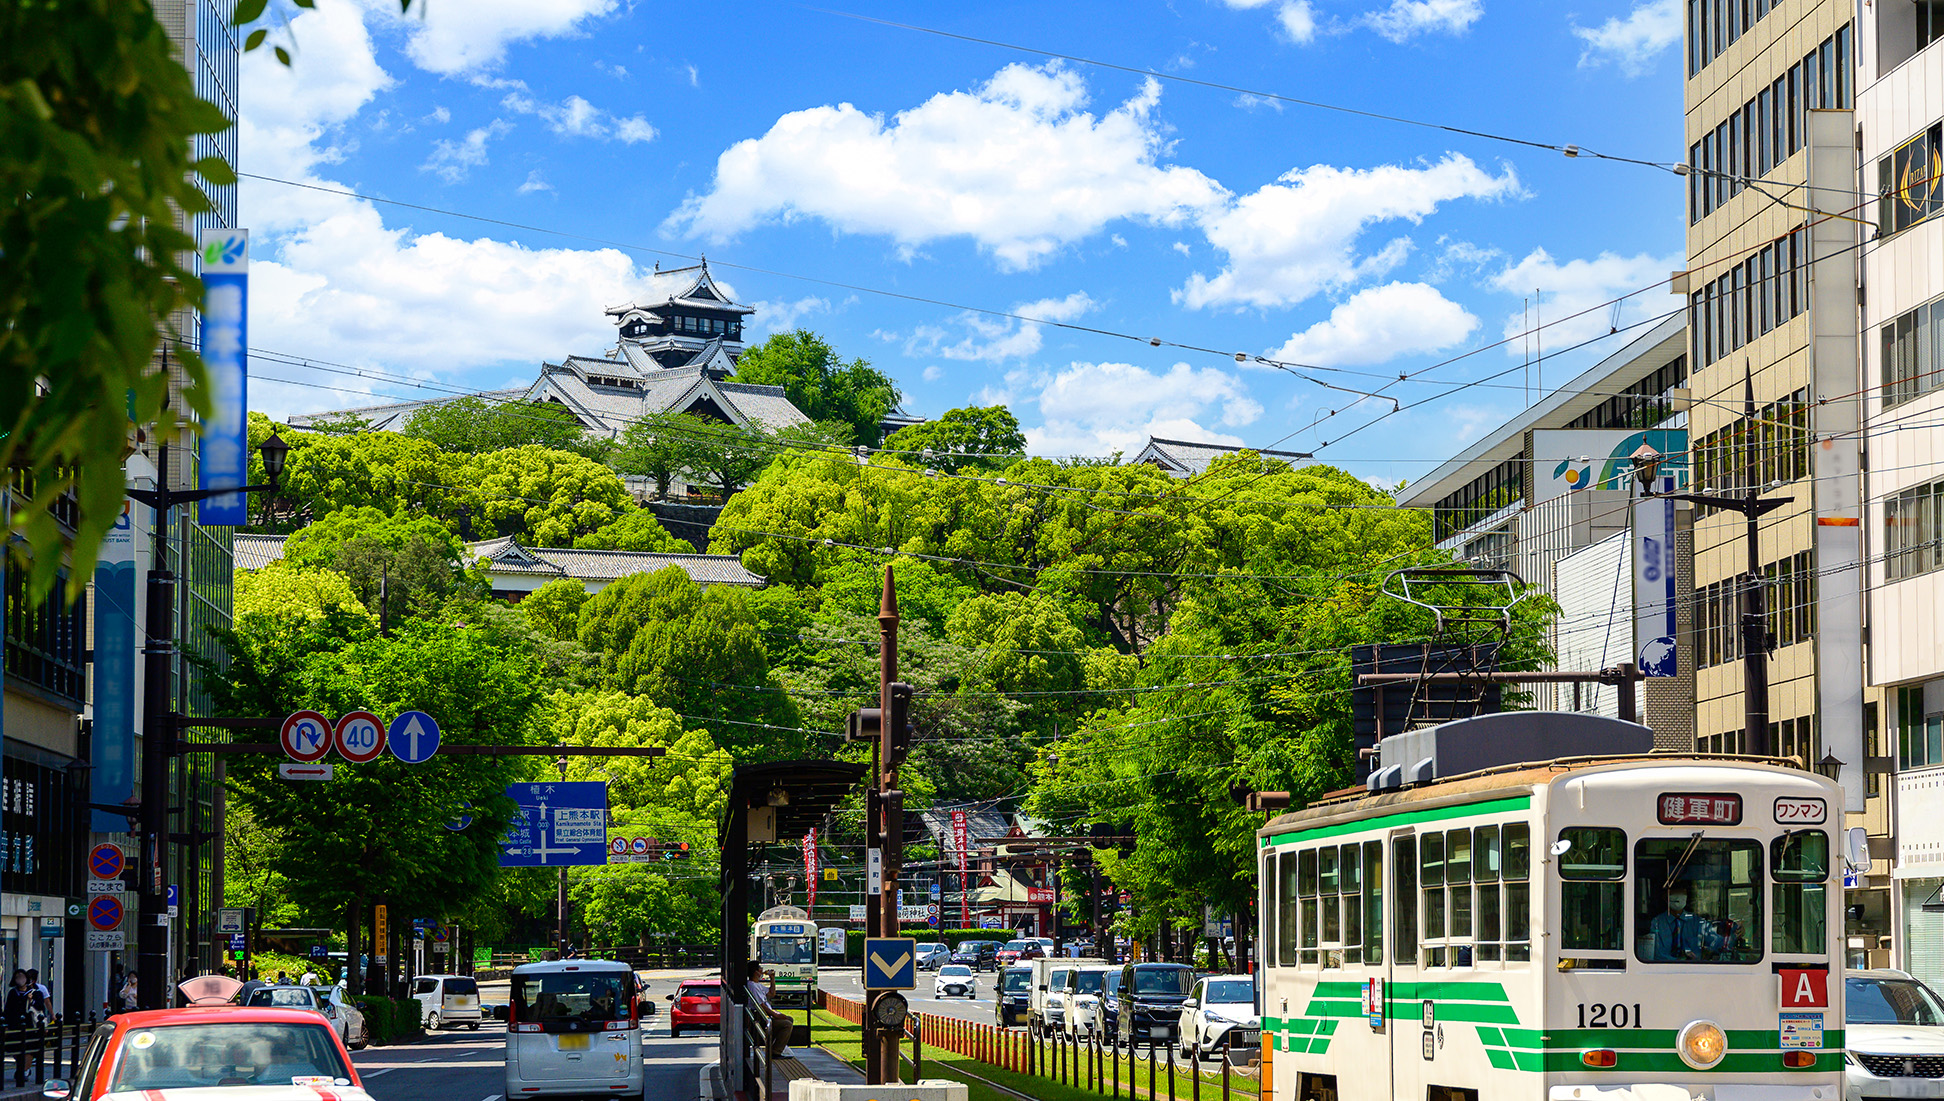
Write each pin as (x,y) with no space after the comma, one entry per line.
(112,749)
(1655,598)
(225,346)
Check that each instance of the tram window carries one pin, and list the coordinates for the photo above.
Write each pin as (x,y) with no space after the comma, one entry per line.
(1698,899)
(1518,893)
(1431,861)
(1287,898)
(1404,900)
(1801,872)
(1591,903)
(1373,923)
(1306,884)
(1351,863)
(1327,879)
(1458,856)
(1485,866)
(1458,866)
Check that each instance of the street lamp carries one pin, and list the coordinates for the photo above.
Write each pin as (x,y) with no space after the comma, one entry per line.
(1829,767)
(1754,616)
(158,715)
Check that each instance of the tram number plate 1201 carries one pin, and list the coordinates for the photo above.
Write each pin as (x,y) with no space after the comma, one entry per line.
(1616,1015)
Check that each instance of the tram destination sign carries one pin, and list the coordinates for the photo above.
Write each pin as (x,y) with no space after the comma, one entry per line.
(1711,808)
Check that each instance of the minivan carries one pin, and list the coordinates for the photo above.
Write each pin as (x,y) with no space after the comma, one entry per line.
(573,1027)
(447,1000)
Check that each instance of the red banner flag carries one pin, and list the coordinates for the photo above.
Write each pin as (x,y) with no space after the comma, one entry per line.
(810,867)
(965,893)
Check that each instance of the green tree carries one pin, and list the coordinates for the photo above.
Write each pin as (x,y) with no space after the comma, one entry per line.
(555,607)
(97,119)
(661,447)
(543,497)
(728,457)
(978,437)
(401,566)
(638,530)
(819,382)
(472,425)
(290,593)
(250,877)
(394,474)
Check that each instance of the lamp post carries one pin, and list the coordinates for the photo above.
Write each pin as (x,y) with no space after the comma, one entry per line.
(1754,604)
(1830,767)
(158,716)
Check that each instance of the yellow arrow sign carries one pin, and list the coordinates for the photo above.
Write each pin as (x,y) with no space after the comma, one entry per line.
(889,968)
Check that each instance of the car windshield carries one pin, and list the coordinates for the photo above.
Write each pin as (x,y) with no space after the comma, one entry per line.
(1231,992)
(461,987)
(788,950)
(1088,982)
(1170,980)
(282,997)
(242,1054)
(700,990)
(1018,980)
(1015,945)
(1057,979)
(564,996)
(1869,1001)
(956,972)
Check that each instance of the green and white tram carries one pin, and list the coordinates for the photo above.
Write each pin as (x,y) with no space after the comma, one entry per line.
(784,940)
(1615,925)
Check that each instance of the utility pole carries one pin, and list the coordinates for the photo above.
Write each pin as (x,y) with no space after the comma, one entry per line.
(561,763)
(1754,594)
(891,801)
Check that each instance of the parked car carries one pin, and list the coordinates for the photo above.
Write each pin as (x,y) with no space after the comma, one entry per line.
(698,1004)
(1013,995)
(447,999)
(955,980)
(1893,1033)
(327,1001)
(1147,1006)
(1084,986)
(279,1054)
(932,955)
(1219,1013)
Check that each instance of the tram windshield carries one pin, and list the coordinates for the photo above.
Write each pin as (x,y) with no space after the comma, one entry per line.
(1698,899)
(788,949)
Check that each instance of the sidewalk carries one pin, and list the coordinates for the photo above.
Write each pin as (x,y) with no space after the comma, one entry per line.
(812,1063)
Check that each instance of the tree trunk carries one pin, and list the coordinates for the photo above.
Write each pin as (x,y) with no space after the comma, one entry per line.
(354,943)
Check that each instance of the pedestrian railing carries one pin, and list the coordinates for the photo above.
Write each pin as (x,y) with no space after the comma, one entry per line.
(44,1051)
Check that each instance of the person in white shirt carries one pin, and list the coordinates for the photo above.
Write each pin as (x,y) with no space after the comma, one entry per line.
(310,978)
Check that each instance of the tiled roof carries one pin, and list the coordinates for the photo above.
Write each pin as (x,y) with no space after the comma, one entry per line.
(253,552)
(1191,457)
(509,556)
(394,416)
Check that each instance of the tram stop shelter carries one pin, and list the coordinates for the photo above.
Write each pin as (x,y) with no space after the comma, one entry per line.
(775,803)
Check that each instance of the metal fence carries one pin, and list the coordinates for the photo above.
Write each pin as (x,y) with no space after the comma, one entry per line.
(45,1051)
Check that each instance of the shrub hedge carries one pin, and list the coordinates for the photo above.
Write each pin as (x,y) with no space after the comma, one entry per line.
(390,1020)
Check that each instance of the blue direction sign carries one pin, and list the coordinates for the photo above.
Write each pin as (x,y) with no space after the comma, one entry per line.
(105,912)
(557,824)
(890,963)
(413,737)
(236,942)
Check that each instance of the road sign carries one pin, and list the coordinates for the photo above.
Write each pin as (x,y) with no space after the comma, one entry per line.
(890,963)
(462,821)
(105,862)
(236,942)
(106,886)
(639,846)
(873,871)
(414,737)
(173,900)
(319,952)
(230,920)
(105,912)
(558,824)
(359,737)
(934,892)
(306,736)
(293,770)
(100,941)
(618,846)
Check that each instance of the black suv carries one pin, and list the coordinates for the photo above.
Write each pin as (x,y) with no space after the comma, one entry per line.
(979,955)
(1146,1008)
(1015,992)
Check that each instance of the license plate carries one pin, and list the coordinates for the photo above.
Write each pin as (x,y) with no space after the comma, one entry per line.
(1162,1032)
(1246,1038)
(576,1041)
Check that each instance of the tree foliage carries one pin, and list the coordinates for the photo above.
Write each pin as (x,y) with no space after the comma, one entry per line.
(472,426)
(396,565)
(819,382)
(638,530)
(294,594)
(978,437)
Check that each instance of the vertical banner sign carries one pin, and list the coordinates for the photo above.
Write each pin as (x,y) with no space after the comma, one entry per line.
(115,617)
(1653,585)
(810,867)
(1835,454)
(225,344)
(958,842)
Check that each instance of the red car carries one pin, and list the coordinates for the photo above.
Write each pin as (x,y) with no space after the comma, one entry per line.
(288,1054)
(698,1004)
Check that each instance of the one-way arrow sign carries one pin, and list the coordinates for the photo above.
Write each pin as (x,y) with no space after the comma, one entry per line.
(890,963)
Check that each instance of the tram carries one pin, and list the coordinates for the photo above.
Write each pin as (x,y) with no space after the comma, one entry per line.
(1607,923)
(784,941)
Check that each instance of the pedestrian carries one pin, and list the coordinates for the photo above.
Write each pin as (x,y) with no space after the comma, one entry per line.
(283,978)
(310,977)
(15,1010)
(43,998)
(130,995)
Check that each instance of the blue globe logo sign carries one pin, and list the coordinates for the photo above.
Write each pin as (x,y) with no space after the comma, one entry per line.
(227,250)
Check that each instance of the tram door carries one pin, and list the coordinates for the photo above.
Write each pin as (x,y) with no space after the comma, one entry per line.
(1401,1027)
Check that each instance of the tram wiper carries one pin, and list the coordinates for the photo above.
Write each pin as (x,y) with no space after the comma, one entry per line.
(1687,854)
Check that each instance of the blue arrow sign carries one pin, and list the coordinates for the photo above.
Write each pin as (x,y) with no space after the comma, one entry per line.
(463,820)
(413,737)
(890,963)
(557,824)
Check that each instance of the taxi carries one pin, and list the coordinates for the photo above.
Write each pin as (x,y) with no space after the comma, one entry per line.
(210,1049)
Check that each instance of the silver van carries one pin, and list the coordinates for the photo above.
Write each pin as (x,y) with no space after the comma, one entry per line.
(447,1000)
(573,1027)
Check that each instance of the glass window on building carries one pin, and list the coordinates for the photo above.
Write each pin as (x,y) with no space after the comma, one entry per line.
(1923,933)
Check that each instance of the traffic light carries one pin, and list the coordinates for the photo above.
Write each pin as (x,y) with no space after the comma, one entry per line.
(862,725)
(901,728)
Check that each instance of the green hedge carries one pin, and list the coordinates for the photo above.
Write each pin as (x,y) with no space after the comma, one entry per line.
(390,1020)
(854,938)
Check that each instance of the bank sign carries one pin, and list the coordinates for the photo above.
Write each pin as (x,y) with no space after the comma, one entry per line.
(225,347)
(1569,460)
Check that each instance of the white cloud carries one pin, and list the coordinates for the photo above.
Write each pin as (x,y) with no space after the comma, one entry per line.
(1296,17)
(331,280)
(1631,41)
(1293,238)
(1017,165)
(782,317)
(1583,287)
(1380,324)
(934,373)
(695,77)
(997,339)
(1406,19)
(1249,101)
(1098,408)
(535,182)
(575,117)
(459,38)
(452,161)
(439,115)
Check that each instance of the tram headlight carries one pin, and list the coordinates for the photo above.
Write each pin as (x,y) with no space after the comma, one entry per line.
(1702,1044)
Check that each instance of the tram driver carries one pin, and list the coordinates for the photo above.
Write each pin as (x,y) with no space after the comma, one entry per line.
(1682,934)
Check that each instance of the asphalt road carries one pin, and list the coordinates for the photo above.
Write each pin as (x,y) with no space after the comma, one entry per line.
(849,983)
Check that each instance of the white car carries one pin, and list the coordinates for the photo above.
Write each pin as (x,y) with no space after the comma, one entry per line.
(955,980)
(446,1000)
(1085,987)
(1893,1036)
(1220,1011)
(327,1000)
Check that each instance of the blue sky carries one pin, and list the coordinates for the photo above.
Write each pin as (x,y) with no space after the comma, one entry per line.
(775,136)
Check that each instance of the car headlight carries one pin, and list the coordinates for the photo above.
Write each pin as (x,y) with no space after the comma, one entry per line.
(1702,1044)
